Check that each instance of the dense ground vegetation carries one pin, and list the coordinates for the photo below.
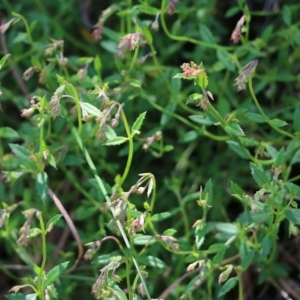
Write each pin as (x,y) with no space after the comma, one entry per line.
(149,149)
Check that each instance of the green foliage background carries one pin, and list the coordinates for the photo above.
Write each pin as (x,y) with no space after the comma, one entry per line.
(256,237)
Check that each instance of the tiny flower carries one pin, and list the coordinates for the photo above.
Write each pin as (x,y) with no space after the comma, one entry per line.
(140,190)
(293,230)
(27,112)
(97,32)
(191,69)
(141,290)
(192,266)
(171,7)
(170,241)
(100,134)
(155,25)
(29,73)
(142,59)
(138,224)
(114,123)
(235,36)
(129,42)
(224,275)
(55,111)
(244,77)
(63,61)
(82,73)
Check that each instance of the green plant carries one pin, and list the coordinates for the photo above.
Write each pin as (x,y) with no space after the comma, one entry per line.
(173,184)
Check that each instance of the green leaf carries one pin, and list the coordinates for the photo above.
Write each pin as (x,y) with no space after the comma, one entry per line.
(146,9)
(19,296)
(54,273)
(169,232)
(110,133)
(23,154)
(152,261)
(206,34)
(255,117)
(160,216)
(236,189)
(97,64)
(237,149)
(200,234)
(208,192)
(168,148)
(175,84)
(135,83)
(280,159)
(296,157)
(287,15)
(266,247)
(42,185)
(21,37)
(293,215)
(225,59)
(202,80)
(52,222)
(138,123)
(182,76)
(232,11)
(3,59)
(216,248)
(234,129)
(201,119)
(147,35)
(84,213)
(194,98)
(115,141)
(226,227)
(278,123)
(165,118)
(255,216)
(35,62)
(73,160)
(246,255)
(229,285)
(33,232)
(217,259)
(8,133)
(259,175)
(144,239)
(119,294)
(90,109)
(150,187)
(296,119)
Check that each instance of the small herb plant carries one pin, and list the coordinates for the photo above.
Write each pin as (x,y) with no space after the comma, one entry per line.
(126,178)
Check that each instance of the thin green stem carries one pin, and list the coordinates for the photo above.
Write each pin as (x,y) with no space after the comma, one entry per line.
(44,254)
(107,199)
(128,18)
(240,284)
(186,122)
(130,150)
(184,38)
(133,61)
(283,132)
(26,26)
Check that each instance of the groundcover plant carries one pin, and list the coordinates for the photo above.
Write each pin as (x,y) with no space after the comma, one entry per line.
(149,149)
